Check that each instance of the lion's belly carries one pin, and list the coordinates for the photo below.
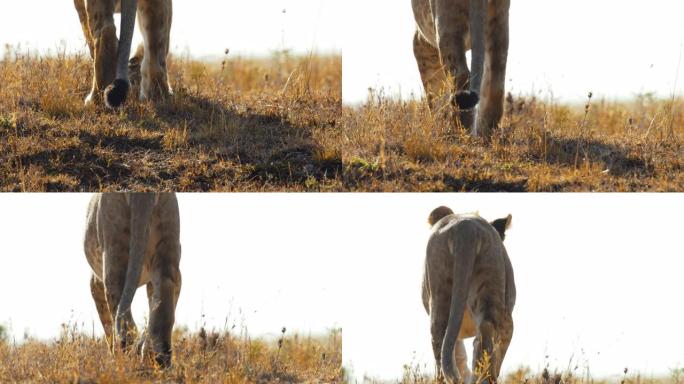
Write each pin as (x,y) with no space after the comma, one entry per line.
(467,326)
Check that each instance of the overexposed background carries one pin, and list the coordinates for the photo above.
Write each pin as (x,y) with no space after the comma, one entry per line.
(598,280)
(562,49)
(201,29)
(248,260)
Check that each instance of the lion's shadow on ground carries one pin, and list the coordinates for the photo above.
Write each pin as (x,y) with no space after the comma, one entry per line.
(574,152)
(273,148)
(227,145)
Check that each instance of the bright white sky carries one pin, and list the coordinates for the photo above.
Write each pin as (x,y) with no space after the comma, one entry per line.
(599,277)
(564,48)
(258,260)
(253,27)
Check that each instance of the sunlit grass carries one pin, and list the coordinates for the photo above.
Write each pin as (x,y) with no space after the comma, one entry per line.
(278,124)
(233,124)
(635,145)
(204,357)
(572,374)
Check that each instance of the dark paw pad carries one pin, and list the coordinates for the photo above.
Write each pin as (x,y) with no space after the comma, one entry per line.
(466,99)
(116,93)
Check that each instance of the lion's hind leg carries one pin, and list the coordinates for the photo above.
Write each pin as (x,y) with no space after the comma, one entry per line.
(83,18)
(431,71)
(134,64)
(452,23)
(505,333)
(116,250)
(162,317)
(494,77)
(97,290)
(104,45)
(155,23)
(439,319)
(163,292)
(462,361)
(486,346)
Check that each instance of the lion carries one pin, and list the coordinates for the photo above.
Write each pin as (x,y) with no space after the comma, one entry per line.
(445,30)
(131,240)
(468,291)
(111,56)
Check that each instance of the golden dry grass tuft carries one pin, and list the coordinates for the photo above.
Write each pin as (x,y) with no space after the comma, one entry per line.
(543,146)
(249,124)
(198,358)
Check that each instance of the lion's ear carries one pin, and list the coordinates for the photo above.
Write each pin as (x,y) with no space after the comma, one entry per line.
(438,213)
(501,225)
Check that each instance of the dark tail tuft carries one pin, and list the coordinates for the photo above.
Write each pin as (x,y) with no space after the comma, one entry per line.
(116,93)
(466,99)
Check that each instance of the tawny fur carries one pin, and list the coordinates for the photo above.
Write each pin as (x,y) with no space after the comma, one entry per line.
(149,64)
(445,30)
(468,291)
(131,240)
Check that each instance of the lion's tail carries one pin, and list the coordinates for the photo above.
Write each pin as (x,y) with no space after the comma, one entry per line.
(141,206)
(478,10)
(116,93)
(462,246)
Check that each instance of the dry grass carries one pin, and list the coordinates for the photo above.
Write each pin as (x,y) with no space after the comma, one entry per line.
(604,146)
(277,124)
(413,374)
(198,358)
(240,124)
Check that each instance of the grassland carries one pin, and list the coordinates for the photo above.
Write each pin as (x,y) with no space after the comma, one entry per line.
(198,358)
(277,124)
(248,124)
(573,374)
(543,146)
